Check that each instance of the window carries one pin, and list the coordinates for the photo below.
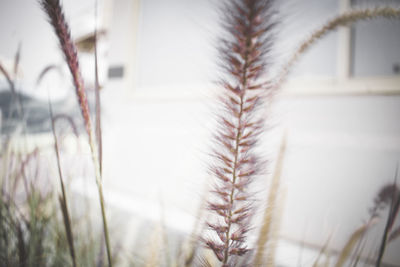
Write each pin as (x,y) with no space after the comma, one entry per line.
(375,44)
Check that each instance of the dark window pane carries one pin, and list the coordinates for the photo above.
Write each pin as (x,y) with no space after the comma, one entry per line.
(376,44)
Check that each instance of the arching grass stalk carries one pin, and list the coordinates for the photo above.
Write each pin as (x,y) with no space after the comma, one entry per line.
(248,28)
(56,18)
(345,19)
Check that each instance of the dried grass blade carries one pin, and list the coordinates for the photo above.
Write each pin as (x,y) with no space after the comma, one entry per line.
(190,247)
(265,232)
(358,253)
(353,240)
(156,246)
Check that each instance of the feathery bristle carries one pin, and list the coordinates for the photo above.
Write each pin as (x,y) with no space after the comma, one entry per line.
(248,25)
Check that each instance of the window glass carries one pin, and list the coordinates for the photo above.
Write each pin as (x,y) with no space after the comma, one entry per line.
(376,43)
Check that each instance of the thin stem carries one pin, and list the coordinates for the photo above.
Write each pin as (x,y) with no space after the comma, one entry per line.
(105,226)
(233,182)
(63,199)
(237,142)
(266,230)
(99,184)
(97,97)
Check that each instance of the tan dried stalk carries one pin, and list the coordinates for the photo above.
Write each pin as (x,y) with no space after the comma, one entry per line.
(266,229)
(97,99)
(345,19)
(351,243)
(248,25)
(56,18)
(155,247)
(191,245)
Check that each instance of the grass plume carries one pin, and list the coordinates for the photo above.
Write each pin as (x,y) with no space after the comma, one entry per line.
(248,27)
(56,17)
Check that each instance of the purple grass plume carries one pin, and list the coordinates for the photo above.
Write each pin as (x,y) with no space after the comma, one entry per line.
(55,13)
(56,18)
(244,52)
